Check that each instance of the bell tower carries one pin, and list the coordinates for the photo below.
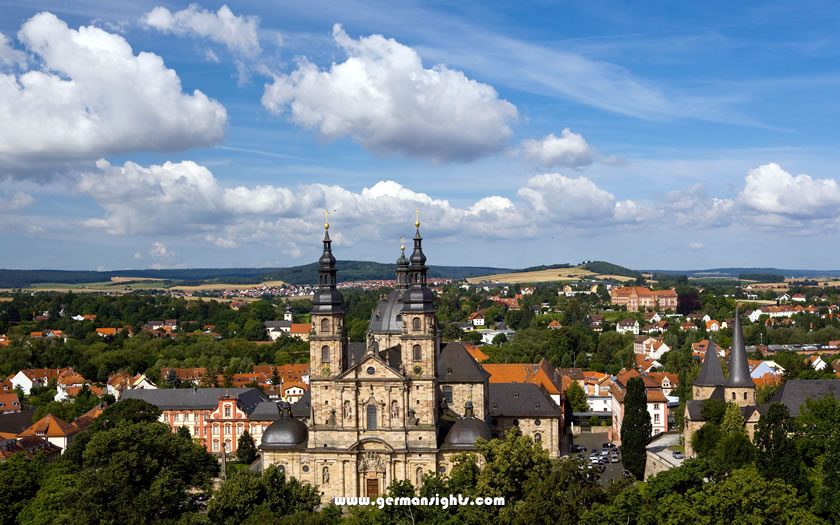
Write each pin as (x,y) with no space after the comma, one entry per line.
(328,336)
(421,335)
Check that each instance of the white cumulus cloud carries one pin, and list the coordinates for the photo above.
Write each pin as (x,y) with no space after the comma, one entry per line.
(555,196)
(567,150)
(159,250)
(9,56)
(772,190)
(384,99)
(237,32)
(92,96)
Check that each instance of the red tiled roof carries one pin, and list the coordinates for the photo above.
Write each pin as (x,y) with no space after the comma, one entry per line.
(50,426)
(300,328)
(475,352)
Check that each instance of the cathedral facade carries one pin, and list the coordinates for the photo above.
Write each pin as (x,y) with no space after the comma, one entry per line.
(399,405)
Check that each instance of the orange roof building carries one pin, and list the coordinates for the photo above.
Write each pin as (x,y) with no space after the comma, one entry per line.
(9,403)
(475,352)
(541,374)
(54,429)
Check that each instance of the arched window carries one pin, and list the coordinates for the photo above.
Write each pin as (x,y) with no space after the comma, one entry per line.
(418,476)
(325,325)
(538,437)
(325,354)
(745,396)
(418,353)
(371,417)
(447,394)
(416,324)
(733,396)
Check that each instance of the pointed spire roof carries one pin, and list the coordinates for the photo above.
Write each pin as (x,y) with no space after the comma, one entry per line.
(417,297)
(739,368)
(327,298)
(711,374)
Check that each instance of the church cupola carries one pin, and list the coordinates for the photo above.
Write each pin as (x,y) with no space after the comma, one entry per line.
(402,268)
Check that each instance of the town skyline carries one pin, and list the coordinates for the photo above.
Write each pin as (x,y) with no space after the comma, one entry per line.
(208,135)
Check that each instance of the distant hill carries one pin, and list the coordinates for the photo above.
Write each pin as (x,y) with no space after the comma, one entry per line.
(735,272)
(365,270)
(605,268)
(368,271)
(305,274)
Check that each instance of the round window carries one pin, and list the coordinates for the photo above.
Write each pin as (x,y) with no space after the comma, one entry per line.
(442,469)
(371,370)
(537,422)
(305,468)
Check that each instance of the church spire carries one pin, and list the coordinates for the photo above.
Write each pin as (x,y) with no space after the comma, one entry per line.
(739,368)
(327,298)
(417,297)
(711,374)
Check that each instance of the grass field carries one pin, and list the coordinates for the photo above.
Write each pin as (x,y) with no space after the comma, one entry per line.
(224,286)
(544,276)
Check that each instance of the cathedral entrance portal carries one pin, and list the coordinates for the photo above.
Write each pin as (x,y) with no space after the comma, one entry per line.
(372,472)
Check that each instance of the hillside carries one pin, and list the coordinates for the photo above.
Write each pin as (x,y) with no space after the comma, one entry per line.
(304,274)
(735,272)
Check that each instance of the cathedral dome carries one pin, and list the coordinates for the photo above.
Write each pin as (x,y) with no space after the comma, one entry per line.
(467,430)
(385,318)
(285,432)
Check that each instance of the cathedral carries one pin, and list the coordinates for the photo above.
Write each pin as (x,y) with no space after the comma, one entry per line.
(399,405)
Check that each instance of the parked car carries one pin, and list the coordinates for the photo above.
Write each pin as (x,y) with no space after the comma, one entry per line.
(578,448)
(605,452)
(614,458)
(678,455)
(605,445)
(593,454)
(626,474)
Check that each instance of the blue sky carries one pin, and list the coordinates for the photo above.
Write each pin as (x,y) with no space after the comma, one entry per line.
(148,134)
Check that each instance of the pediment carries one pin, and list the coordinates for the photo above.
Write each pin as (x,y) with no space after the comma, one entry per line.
(371,363)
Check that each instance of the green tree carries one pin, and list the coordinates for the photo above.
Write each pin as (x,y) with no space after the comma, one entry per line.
(561,497)
(509,464)
(713,410)
(246,450)
(576,397)
(705,440)
(270,495)
(134,472)
(733,421)
(828,504)
(779,458)
(19,478)
(635,428)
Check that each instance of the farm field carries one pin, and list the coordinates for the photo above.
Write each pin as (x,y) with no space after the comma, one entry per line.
(543,276)
(224,286)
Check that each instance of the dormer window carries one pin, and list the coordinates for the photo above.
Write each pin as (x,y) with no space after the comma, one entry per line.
(516,395)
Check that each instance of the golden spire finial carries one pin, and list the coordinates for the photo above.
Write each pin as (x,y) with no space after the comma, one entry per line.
(417,222)
(326,220)
(402,243)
